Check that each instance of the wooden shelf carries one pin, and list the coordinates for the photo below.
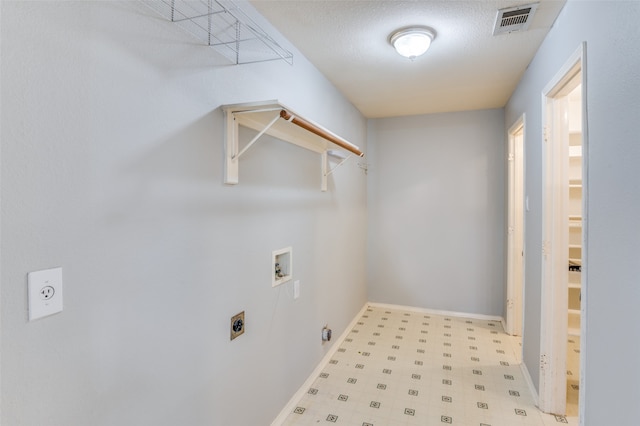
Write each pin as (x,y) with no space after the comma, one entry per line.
(574,322)
(275,119)
(575,151)
(573,331)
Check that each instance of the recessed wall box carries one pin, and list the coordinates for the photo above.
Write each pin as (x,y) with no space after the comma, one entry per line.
(281,266)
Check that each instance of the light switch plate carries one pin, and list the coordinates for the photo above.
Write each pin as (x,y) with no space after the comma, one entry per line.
(45,293)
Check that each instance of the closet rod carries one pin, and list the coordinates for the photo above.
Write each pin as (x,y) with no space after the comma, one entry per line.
(320,132)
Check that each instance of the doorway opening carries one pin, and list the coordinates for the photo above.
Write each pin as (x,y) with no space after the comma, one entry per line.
(564,219)
(515,230)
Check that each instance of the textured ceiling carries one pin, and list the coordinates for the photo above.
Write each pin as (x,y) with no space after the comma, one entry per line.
(466,67)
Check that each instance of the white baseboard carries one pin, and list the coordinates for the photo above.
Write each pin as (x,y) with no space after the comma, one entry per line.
(288,409)
(504,323)
(529,381)
(437,312)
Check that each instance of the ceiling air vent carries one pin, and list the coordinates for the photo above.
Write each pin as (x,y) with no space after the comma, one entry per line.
(512,19)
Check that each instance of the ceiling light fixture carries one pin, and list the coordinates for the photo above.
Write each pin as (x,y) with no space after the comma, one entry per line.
(412,42)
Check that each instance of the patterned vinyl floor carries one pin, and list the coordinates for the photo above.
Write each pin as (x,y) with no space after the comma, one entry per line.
(399,367)
(573,374)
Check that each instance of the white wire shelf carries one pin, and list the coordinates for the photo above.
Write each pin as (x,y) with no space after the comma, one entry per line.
(223,26)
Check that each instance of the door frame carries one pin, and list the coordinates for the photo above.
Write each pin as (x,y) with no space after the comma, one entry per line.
(554,321)
(515,287)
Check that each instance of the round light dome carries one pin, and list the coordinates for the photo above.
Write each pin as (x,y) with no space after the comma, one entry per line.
(413,41)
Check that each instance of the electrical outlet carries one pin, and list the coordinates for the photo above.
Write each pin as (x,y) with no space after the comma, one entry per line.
(237,325)
(45,293)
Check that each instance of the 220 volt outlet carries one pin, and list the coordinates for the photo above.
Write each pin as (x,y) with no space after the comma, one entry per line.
(237,325)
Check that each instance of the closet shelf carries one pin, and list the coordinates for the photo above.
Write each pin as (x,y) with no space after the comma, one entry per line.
(573,322)
(223,26)
(575,151)
(275,119)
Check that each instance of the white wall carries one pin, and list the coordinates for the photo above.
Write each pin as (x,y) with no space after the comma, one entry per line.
(112,169)
(436,211)
(610,29)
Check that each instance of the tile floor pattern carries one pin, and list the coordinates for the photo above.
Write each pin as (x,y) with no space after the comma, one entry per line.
(409,368)
(573,374)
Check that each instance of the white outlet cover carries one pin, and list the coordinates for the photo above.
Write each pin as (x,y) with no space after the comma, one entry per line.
(296,289)
(45,293)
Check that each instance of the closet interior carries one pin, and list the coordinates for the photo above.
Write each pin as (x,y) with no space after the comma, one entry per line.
(575,249)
